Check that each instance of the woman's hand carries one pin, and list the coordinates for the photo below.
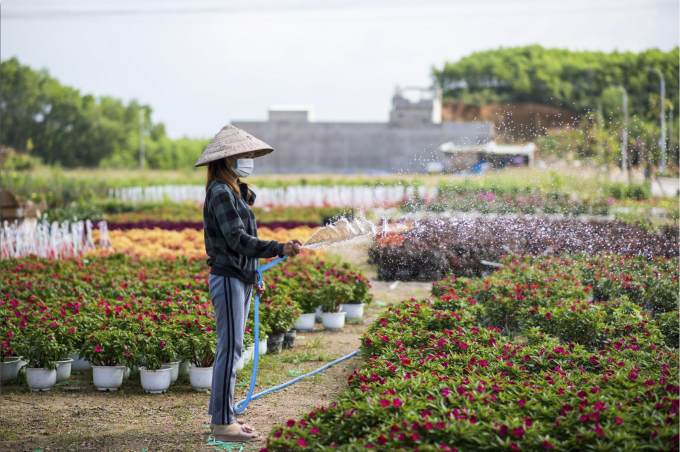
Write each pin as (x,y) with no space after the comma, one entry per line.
(259,289)
(292,247)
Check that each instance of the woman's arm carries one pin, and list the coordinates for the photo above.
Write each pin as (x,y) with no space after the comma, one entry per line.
(229,222)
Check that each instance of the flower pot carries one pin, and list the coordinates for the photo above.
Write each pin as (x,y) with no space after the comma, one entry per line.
(156,381)
(318,314)
(248,354)
(184,368)
(108,378)
(127,373)
(333,320)
(289,340)
(305,322)
(175,370)
(201,377)
(263,347)
(64,369)
(79,365)
(40,379)
(10,368)
(353,310)
(275,344)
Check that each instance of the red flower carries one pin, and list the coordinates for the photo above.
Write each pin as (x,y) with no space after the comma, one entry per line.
(302,443)
(521,402)
(514,446)
(396,403)
(98,348)
(382,440)
(547,316)
(618,420)
(547,445)
(384,402)
(290,423)
(315,431)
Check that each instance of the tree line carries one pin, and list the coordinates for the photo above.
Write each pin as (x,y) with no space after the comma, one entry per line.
(59,125)
(560,77)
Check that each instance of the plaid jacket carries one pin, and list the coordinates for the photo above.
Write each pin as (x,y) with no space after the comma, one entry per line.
(230,234)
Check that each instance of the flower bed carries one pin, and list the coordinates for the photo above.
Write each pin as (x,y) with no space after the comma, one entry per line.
(125,310)
(157,243)
(198,225)
(433,249)
(437,378)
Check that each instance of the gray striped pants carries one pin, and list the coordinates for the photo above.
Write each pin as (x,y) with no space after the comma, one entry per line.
(231,302)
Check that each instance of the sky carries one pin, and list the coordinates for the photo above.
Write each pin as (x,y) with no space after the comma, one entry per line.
(204,63)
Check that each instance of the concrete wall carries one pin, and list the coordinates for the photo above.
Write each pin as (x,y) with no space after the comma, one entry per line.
(319,147)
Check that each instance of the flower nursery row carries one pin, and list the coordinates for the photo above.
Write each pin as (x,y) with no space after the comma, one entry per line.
(433,249)
(123,312)
(198,225)
(574,375)
(189,243)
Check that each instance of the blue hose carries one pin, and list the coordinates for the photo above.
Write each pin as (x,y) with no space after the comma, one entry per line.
(239,407)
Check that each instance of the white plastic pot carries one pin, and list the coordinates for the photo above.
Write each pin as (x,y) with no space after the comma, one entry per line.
(156,381)
(108,378)
(201,377)
(64,369)
(40,379)
(317,314)
(333,320)
(175,370)
(263,347)
(79,365)
(10,368)
(353,310)
(305,322)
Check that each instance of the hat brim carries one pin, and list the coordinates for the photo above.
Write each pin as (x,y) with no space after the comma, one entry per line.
(225,154)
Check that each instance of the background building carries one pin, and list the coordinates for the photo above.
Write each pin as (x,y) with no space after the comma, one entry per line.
(406,143)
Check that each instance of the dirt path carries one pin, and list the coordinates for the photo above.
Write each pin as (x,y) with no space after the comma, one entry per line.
(76,417)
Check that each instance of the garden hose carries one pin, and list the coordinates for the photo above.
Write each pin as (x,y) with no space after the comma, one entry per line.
(239,407)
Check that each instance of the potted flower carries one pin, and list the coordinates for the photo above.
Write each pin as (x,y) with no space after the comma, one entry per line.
(308,301)
(354,307)
(332,298)
(155,349)
(82,325)
(41,351)
(202,346)
(278,317)
(110,351)
(10,363)
(64,334)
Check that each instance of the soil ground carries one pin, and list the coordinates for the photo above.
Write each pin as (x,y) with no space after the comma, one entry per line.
(77,417)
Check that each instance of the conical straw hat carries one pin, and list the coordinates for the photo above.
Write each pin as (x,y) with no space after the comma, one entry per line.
(232,141)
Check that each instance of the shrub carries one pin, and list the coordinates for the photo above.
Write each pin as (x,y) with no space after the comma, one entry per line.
(38,347)
(670,328)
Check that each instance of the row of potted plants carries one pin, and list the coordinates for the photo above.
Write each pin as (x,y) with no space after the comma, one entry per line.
(118,313)
(437,376)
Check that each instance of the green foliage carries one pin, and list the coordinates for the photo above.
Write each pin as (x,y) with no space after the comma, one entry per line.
(39,347)
(61,126)
(670,328)
(560,77)
(156,348)
(333,296)
(278,316)
(662,294)
(109,347)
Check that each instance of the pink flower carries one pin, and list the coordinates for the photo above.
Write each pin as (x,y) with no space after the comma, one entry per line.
(290,423)
(547,316)
(98,348)
(618,420)
(302,443)
(521,402)
(384,402)
(396,403)
(382,440)
(547,445)
(315,431)
(446,392)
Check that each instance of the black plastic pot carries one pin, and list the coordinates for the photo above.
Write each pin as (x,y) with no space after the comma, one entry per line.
(289,340)
(274,344)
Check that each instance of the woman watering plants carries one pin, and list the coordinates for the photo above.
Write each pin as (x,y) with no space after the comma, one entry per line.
(233,251)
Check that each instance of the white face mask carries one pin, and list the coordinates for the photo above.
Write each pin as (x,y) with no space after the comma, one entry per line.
(243,167)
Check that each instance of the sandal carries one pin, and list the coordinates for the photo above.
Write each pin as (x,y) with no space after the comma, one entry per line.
(247,433)
(212,426)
